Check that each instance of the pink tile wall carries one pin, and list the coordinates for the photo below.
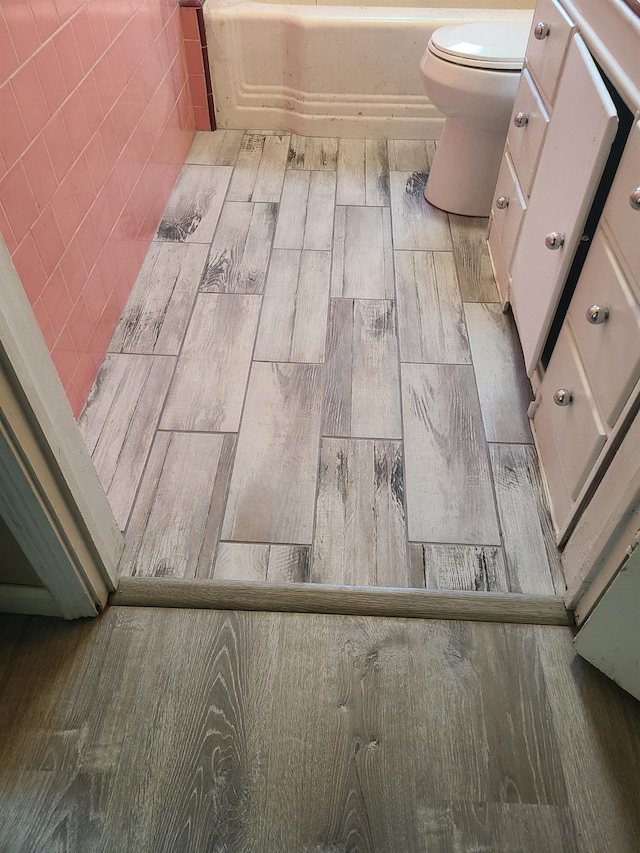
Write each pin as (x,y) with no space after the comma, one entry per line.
(96,118)
(198,64)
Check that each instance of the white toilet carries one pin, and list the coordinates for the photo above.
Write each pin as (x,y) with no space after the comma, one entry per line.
(470,73)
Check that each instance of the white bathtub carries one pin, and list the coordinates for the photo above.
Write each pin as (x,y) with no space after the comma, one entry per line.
(331,70)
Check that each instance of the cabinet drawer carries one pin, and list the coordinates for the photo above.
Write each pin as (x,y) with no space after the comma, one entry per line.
(622,218)
(576,429)
(507,220)
(546,55)
(525,142)
(610,351)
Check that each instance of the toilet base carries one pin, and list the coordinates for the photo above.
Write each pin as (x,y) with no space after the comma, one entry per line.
(465,169)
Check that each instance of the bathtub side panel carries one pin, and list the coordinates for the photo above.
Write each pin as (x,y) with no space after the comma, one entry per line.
(327,70)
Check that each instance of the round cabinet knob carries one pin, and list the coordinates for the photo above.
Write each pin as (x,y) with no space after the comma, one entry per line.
(562,397)
(502,202)
(597,315)
(521,119)
(553,240)
(541,30)
(634,199)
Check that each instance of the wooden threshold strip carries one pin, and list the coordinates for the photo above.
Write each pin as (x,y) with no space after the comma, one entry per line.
(348,600)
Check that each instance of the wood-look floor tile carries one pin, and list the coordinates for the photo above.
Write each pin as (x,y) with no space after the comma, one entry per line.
(364,711)
(208,389)
(362,396)
(382,734)
(377,173)
(417,225)
(270,177)
(533,560)
(272,563)
(351,185)
(169,521)
(498,826)
(312,153)
(508,733)
(293,322)
(272,492)
(469,567)
(411,155)
(503,387)
(245,172)
(362,257)
(477,283)
(155,317)
(237,561)
(587,711)
(117,378)
(225,255)
(215,148)
(375,389)
(431,324)
(192,212)
(119,421)
(318,233)
(289,564)
(449,490)
(292,216)
(139,539)
(360,536)
(336,419)
(240,251)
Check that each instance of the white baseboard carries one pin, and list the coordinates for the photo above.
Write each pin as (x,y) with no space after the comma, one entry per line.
(30,600)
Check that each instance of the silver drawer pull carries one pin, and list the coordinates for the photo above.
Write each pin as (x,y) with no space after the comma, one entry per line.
(541,30)
(521,119)
(597,315)
(562,397)
(634,199)
(554,240)
(502,202)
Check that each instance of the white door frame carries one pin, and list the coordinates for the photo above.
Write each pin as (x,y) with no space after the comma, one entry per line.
(50,495)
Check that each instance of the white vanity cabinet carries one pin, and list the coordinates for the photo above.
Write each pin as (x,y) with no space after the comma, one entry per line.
(564,189)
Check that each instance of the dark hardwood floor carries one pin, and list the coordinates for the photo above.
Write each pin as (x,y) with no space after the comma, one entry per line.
(186,730)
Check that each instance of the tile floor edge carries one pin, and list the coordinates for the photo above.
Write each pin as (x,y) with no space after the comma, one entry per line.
(342,600)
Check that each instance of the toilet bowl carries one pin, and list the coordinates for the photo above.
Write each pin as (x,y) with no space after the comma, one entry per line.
(470,73)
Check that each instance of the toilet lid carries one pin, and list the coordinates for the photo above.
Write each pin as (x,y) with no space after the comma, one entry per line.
(496,45)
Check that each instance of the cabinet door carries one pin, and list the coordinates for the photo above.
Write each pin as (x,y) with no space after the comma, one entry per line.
(505,224)
(577,144)
(610,350)
(622,215)
(525,142)
(576,428)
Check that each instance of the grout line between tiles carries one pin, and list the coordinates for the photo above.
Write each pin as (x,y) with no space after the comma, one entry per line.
(267,544)
(455,544)
(514,443)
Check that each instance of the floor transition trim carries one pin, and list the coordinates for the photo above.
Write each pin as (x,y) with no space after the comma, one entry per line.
(351,600)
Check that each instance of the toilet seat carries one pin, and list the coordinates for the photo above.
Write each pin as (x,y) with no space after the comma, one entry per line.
(494,46)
